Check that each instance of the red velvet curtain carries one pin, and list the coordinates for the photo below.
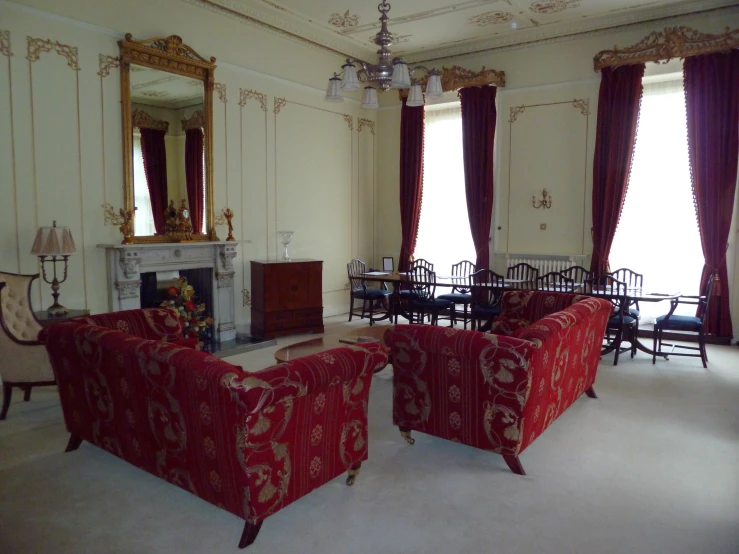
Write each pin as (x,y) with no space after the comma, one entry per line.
(712,102)
(155,167)
(478,137)
(194,177)
(411,179)
(618,113)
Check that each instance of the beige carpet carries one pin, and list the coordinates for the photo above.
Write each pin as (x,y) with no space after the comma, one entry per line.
(652,466)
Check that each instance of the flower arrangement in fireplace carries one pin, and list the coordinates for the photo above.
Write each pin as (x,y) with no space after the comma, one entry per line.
(195,322)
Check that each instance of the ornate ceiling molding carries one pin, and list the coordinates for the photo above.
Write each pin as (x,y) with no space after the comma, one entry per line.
(663,46)
(457,77)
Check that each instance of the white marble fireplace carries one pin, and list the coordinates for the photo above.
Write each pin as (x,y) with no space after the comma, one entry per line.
(126,262)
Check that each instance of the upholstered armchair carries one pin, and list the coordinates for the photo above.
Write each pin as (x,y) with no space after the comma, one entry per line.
(24,362)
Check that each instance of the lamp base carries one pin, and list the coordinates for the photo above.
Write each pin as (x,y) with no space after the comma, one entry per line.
(57,309)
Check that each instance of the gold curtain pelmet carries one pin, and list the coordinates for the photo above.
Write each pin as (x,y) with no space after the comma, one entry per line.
(663,46)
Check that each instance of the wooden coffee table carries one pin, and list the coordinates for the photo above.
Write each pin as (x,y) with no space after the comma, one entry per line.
(321,344)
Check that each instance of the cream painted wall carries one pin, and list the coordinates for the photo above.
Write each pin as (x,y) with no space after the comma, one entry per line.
(283,158)
(547,144)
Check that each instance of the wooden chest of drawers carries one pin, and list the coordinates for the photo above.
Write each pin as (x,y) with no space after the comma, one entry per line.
(286,297)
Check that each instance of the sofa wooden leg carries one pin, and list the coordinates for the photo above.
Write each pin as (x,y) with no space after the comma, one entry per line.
(591,392)
(27,394)
(406,434)
(353,473)
(74,443)
(7,394)
(251,530)
(514,464)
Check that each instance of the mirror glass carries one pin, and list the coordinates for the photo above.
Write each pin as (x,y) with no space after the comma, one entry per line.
(168,165)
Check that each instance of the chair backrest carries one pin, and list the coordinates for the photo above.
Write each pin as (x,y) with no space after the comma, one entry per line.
(632,279)
(16,311)
(354,269)
(463,270)
(421,282)
(487,287)
(704,301)
(523,272)
(555,281)
(420,262)
(608,287)
(578,273)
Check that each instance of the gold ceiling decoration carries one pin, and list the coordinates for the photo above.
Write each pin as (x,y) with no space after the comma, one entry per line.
(196,121)
(663,46)
(456,77)
(142,120)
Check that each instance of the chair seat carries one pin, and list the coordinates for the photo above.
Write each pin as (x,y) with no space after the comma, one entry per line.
(486,311)
(633,312)
(371,294)
(456,297)
(431,303)
(680,323)
(408,294)
(615,321)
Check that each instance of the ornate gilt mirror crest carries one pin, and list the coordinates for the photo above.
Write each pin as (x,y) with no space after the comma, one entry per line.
(167,112)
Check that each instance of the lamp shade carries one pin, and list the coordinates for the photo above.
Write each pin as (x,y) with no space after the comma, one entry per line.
(415,97)
(433,86)
(350,82)
(333,93)
(53,241)
(369,100)
(401,76)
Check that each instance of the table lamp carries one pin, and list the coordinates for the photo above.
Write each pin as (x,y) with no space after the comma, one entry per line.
(55,242)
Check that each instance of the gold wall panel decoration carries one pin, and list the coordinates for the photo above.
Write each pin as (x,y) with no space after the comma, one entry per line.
(248,94)
(124,219)
(553,6)
(663,46)
(279,104)
(37,46)
(5,49)
(457,77)
(366,123)
(142,120)
(172,55)
(220,89)
(583,104)
(349,121)
(196,121)
(515,112)
(106,63)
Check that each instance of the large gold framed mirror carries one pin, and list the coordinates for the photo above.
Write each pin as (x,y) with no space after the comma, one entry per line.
(167,114)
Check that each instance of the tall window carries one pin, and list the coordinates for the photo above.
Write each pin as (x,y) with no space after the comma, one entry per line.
(444,236)
(144,218)
(658,231)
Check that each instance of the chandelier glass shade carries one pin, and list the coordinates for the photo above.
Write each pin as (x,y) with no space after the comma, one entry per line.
(387,73)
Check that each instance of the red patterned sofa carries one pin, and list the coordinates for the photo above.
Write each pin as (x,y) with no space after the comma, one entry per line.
(492,391)
(248,442)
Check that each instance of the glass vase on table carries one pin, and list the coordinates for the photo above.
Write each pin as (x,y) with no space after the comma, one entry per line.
(286,238)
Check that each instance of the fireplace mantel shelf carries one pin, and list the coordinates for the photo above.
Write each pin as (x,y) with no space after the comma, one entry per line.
(126,262)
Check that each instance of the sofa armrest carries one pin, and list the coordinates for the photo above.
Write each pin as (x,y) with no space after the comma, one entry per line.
(150,323)
(309,374)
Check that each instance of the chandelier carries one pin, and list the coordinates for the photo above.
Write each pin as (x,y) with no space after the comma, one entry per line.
(387,73)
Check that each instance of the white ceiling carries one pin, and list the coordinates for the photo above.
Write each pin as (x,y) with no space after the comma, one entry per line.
(154,87)
(431,29)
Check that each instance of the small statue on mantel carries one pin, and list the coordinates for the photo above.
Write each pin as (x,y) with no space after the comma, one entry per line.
(226,218)
(124,219)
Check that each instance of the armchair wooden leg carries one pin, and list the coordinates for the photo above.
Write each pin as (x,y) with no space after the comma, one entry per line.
(406,434)
(591,392)
(514,464)
(74,443)
(251,530)
(7,394)
(353,473)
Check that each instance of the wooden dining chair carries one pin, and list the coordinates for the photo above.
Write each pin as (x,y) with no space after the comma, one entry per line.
(359,290)
(523,272)
(405,293)
(555,281)
(621,325)
(422,300)
(487,289)
(633,280)
(460,293)
(578,273)
(684,324)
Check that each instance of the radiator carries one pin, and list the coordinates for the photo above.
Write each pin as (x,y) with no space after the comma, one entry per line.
(544,263)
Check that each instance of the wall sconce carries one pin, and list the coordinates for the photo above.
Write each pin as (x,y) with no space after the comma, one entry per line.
(544,203)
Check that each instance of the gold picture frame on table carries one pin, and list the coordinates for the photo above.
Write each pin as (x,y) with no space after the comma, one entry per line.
(169,54)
